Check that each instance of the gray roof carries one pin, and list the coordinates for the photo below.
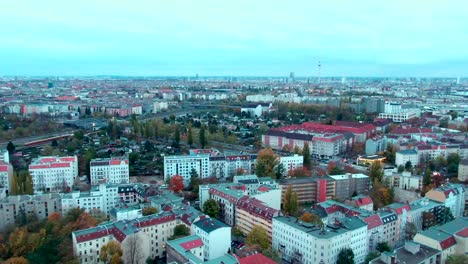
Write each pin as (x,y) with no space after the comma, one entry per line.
(209,224)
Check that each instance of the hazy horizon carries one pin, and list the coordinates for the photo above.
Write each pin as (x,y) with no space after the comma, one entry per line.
(242,38)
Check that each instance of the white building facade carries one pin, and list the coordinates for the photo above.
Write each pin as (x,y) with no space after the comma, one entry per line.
(53,174)
(114,170)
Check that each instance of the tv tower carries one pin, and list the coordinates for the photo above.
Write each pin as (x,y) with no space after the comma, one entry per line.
(319,70)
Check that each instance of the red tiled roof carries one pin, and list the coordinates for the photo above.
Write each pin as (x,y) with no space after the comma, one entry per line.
(463,233)
(192,244)
(447,243)
(258,258)
(399,211)
(373,221)
(363,201)
(355,128)
(256,207)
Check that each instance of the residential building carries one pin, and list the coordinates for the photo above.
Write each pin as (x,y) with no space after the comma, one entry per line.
(411,252)
(402,116)
(53,174)
(450,238)
(111,170)
(184,165)
(463,170)
(252,212)
(309,189)
(402,211)
(376,144)
(215,235)
(290,163)
(362,202)
(452,196)
(40,205)
(419,208)
(6,174)
(191,249)
(348,184)
(403,156)
(153,230)
(389,227)
(300,242)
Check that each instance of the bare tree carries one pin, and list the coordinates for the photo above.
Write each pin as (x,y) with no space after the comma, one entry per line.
(135,248)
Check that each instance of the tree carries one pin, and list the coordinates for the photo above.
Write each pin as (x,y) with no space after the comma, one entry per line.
(267,160)
(346,256)
(311,218)
(203,138)
(383,247)
(149,210)
(427,177)
(11,148)
(307,157)
(180,231)
(211,208)
(299,172)
(22,183)
(401,168)
(176,183)
(111,253)
(370,256)
(457,259)
(16,260)
(176,136)
(258,237)
(236,232)
(189,136)
(279,171)
(272,254)
(133,250)
(297,150)
(376,172)
(290,202)
(408,166)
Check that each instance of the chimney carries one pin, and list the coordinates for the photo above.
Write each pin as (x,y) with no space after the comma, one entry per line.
(393,260)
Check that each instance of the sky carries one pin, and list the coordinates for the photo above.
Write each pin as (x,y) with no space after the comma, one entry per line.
(375,38)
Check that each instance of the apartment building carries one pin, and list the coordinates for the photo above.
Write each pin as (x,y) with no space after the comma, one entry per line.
(463,170)
(349,183)
(111,170)
(403,156)
(290,163)
(300,242)
(184,165)
(6,174)
(450,238)
(309,189)
(411,252)
(40,205)
(252,212)
(215,235)
(451,196)
(53,174)
(153,232)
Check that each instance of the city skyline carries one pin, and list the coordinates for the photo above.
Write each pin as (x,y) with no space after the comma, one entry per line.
(265,38)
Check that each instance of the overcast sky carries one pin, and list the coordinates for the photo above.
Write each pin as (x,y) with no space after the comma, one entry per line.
(221,37)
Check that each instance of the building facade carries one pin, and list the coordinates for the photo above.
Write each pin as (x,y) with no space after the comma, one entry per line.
(114,170)
(53,174)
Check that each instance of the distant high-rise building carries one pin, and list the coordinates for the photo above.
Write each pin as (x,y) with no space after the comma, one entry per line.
(458,80)
(343,80)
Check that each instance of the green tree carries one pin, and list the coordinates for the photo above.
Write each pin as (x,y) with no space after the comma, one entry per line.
(290,202)
(457,259)
(11,148)
(272,254)
(22,183)
(203,138)
(346,256)
(376,172)
(189,136)
(408,166)
(258,237)
(427,178)
(370,256)
(176,136)
(307,157)
(297,150)
(401,168)
(267,160)
(383,247)
(211,208)
(149,210)
(236,232)
(180,231)
(279,171)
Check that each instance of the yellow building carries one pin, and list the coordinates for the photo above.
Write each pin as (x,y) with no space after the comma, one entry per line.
(251,212)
